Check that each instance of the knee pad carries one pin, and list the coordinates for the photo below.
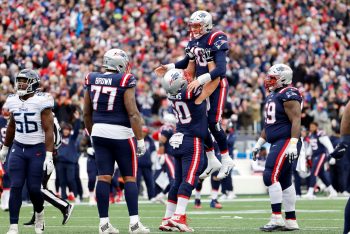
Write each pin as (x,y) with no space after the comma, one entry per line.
(267,178)
(185,189)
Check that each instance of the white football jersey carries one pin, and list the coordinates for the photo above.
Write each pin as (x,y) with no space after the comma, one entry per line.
(27,115)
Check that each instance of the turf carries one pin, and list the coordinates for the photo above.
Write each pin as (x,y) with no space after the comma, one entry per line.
(239,216)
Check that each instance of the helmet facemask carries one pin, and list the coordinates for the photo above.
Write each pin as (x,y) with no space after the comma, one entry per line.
(24,85)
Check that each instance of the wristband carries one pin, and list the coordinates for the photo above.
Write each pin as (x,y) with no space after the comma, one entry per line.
(205,78)
(293,141)
(261,141)
(140,142)
(48,155)
(170,66)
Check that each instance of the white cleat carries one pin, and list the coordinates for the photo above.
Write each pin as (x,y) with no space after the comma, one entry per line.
(345,194)
(291,225)
(39,223)
(227,165)
(309,196)
(213,165)
(138,228)
(159,198)
(107,228)
(333,194)
(276,223)
(231,196)
(92,201)
(13,229)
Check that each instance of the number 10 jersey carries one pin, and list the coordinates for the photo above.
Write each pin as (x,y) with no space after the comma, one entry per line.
(276,121)
(27,115)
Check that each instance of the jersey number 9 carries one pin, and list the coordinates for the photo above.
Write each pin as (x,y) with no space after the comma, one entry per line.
(270,113)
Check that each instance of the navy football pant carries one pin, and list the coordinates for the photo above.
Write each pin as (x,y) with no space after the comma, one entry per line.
(277,166)
(337,174)
(347,218)
(317,170)
(92,173)
(169,168)
(147,174)
(67,178)
(217,104)
(188,164)
(297,179)
(25,163)
(78,181)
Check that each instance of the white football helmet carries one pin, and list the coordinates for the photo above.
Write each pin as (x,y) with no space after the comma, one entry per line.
(279,75)
(174,81)
(200,23)
(27,81)
(116,60)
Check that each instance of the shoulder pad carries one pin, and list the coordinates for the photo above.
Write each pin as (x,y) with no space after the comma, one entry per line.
(127,81)
(290,93)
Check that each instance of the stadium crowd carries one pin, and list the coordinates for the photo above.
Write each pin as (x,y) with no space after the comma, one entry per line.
(64,40)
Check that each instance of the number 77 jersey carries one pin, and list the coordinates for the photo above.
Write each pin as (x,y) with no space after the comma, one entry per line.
(276,121)
(107,97)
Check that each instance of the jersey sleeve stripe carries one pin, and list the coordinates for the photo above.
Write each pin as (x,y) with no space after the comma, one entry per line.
(125,80)
(289,87)
(213,36)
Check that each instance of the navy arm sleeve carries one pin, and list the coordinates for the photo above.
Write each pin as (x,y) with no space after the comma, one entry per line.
(182,64)
(220,65)
(76,129)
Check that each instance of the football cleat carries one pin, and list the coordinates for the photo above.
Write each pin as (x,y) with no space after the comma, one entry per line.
(111,199)
(291,225)
(197,204)
(30,222)
(165,226)
(159,198)
(138,228)
(227,165)
(213,165)
(39,222)
(276,223)
(309,196)
(71,197)
(215,204)
(92,201)
(180,222)
(67,213)
(107,228)
(13,229)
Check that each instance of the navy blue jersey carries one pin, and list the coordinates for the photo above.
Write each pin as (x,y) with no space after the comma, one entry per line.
(206,46)
(3,127)
(317,147)
(191,118)
(167,131)
(277,124)
(107,96)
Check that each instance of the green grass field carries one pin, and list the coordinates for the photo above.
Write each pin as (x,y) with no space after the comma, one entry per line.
(239,216)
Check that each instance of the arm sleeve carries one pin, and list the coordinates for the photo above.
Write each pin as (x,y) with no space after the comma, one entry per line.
(220,65)
(76,129)
(182,64)
(327,143)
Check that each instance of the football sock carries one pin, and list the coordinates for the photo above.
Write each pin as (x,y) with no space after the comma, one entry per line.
(214,194)
(131,197)
(210,154)
(182,202)
(311,190)
(38,200)
(134,219)
(170,209)
(275,193)
(15,204)
(197,194)
(215,184)
(104,220)
(102,197)
(289,199)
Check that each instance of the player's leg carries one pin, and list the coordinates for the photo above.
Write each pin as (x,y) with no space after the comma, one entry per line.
(197,195)
(125,155)
(192,163)
(147,174)
(78,181)
(273,166)
(215,185)
(105,167)
(227,188)
(217,105)
(347,218)
(71,182)
(6,183)
(297,180)
(17,171)
(61,168)
(212,163)
(326,179)
(92,173)
(35,159)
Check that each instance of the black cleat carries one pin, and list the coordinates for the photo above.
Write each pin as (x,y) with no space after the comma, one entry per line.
(31,222)
(67,213)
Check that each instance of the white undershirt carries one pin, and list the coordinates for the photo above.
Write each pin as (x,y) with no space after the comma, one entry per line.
(111,131)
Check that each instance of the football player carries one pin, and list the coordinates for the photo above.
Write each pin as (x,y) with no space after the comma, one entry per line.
(319,146)
(30,129)
(4,177)
(112,119)
(338,153)
(282,130)
(186,144)
(207,52)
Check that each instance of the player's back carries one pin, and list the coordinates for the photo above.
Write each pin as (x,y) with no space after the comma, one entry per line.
(27,114)
(107,97)
(317,147)
(191,118)
(277,123)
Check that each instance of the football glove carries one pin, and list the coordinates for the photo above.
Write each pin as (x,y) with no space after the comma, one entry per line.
(3,153)
(257,147)
(292,151)
(332,161)
(161,159)
(48,163)
(141,148)
(190,53)
(339,150)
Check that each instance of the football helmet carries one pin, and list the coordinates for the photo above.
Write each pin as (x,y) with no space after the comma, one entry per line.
(116,60)
(279,75)
(27,81)
(174,81)
(200,23)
